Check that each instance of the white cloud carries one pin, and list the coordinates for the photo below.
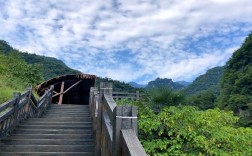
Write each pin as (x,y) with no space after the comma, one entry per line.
(90,35)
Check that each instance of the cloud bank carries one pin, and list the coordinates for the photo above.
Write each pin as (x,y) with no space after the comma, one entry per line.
(131,40)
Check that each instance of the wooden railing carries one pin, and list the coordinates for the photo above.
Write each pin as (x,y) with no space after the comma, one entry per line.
(125,95)
(21,107)
(115,126)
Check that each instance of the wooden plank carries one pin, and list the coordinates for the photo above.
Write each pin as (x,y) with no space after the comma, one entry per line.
(7,114)
(61,92)
(107,132)
(7,104)
(108,127)
(124,93)
(132,147)
(116,131)
(134,120)
(72,86)
(126,120)
(99,123)
(109,105)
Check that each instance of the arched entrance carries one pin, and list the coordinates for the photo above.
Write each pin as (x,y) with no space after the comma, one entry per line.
(69,89)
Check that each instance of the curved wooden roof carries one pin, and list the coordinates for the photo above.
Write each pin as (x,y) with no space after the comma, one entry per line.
(43,86)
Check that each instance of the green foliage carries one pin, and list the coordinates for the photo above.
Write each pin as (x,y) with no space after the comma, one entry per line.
(203,100)
(236,84)
(16,75)
(208,81)
(51,67)
(186,130)
(164,83)
(164,96)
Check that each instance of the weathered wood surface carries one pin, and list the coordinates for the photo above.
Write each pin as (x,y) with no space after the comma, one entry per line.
(109,123)
(131,146)
(126,95)
(21,107)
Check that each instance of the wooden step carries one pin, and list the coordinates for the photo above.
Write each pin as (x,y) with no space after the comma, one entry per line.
(46,153)
(47,148)
(52,131)
(47,142)
(51,136)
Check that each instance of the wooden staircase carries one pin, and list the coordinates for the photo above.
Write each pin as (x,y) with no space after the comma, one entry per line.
(62,130)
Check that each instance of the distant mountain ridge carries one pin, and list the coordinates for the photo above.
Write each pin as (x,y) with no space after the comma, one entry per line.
(159,82)
(136,85)
(184,83)
(208,81)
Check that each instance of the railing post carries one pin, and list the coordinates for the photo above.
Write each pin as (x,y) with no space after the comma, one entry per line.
(137,95)
(125,117)
(16,105)
(105,88)
(27,114)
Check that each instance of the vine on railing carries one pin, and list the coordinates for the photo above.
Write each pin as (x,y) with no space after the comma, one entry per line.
(21,107)
(115,126)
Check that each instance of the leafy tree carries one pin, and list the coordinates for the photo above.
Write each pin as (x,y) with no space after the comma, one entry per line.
(16,75)
(203,100)
(236,84)
(187,131)
(164,96)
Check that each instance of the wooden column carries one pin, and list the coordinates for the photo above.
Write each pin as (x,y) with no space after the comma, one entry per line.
(61,93)
(125,117)
(137,95)
(105,88)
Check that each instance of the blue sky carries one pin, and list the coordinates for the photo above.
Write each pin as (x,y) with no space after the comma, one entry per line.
(129,40)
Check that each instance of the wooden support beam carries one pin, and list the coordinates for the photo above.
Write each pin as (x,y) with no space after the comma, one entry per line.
(72,86)
(61,92)
(55,92)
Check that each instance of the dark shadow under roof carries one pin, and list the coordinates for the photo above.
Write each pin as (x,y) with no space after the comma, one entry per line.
(45,85)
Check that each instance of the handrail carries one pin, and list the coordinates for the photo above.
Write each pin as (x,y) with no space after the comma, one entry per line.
(126,95)
(21,107)
(114,126)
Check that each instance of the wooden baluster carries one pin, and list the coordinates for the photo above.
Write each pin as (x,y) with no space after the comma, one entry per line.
(125,117)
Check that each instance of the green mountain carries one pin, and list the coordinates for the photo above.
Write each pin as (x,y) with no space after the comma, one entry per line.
(236,83)
(184,83)
(15,73)
(159,83)
(208,81)
(51,67)
(136,85)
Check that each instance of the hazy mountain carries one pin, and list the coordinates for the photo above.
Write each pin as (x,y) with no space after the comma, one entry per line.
(159,82)
(136,85)
(184,83)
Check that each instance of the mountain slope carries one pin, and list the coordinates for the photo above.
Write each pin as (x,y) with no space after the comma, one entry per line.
(51,67)
(208,81)
(159,82)
(236,83)
(136,85)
